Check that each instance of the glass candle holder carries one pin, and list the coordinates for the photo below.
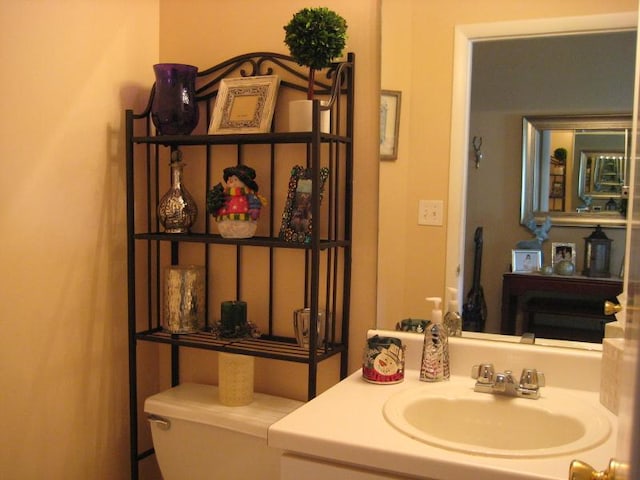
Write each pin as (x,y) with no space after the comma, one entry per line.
(184,296)
(302,326)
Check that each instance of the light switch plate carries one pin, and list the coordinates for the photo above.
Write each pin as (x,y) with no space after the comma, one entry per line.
(430,212)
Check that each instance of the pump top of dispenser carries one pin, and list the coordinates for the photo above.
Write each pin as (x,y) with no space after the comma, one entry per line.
(436,313)
(452,305)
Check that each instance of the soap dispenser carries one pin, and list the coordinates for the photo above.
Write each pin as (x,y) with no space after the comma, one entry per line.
(435,352)
(453,319)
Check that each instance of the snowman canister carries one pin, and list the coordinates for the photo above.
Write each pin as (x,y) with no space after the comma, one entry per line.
(236,205)
(383,360)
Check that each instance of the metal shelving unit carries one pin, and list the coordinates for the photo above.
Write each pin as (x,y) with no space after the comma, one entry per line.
(326,258)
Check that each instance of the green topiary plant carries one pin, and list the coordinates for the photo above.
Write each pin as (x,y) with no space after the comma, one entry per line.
(560,154)
(315,36)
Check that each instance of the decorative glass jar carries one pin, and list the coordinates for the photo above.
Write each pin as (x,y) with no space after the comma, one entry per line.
(174,110)
(183,298)
(177,210)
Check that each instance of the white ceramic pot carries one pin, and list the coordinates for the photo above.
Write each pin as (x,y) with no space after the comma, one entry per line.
(300,113)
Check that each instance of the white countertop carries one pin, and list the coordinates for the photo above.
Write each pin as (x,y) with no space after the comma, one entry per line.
(346,425)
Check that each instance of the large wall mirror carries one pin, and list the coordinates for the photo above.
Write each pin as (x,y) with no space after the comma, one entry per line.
(595,78)
(575,169)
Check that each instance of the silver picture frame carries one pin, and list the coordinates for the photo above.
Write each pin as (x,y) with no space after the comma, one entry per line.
(563,251)
(389,123)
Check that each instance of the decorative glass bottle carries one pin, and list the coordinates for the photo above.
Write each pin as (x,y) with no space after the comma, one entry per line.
(174,110)
(177,210)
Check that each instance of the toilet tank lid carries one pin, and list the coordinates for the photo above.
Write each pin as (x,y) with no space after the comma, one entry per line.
(199,403)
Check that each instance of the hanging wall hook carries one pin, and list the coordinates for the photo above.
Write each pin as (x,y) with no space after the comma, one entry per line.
(477,143)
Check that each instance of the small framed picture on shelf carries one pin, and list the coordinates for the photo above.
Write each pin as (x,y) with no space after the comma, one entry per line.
(389,124)
(245,105)
(557,190)
(526,261)
(563,251)
(296,219)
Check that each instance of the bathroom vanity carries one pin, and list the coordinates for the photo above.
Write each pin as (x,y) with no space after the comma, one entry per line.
(343,433)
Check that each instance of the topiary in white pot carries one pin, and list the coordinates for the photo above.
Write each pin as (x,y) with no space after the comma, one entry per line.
(314,36)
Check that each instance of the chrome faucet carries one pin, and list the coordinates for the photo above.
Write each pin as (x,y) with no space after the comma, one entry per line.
(490,381)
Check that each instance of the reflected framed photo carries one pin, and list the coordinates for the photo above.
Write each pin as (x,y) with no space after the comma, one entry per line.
(244,105)
(563,251)
(297,217)
(389,123)
(526,261)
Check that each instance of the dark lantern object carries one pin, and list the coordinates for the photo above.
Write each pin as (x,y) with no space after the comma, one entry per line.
(597,254)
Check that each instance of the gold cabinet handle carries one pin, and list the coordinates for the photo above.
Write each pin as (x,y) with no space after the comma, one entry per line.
(611,308)
(583,471)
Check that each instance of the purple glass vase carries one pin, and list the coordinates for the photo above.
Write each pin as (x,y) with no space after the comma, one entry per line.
(174,110)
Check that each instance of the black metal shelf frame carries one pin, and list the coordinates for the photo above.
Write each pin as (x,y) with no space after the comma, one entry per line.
(327,257)
(272,242)
(275,138)
(278,348)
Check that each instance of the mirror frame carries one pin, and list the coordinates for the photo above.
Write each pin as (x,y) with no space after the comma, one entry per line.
(531,128)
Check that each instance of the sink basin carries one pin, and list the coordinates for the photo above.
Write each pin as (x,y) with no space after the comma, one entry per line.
(452,416)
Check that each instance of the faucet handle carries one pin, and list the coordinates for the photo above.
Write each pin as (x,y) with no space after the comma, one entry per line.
(503,381)
(483,373)
(531,378)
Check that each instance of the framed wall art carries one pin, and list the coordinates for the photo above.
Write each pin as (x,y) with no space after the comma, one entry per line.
(389,123)
(526,261)
(245,105)
(296,219)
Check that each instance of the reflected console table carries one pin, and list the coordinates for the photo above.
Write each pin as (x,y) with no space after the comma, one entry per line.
(578,297)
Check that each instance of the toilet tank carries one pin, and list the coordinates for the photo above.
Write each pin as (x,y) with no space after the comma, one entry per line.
(196,437)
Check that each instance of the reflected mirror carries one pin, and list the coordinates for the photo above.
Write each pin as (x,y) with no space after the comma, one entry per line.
(575,169)
(603,175)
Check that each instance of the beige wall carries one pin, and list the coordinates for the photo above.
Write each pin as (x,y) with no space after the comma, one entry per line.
(187,37)
(63,350)
(69,68)
(421,56)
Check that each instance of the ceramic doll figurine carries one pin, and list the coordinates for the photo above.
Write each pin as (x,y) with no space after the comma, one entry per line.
(236,205)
